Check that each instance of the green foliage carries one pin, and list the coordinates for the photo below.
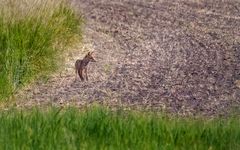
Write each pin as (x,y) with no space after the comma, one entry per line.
(100,128)
(32,35)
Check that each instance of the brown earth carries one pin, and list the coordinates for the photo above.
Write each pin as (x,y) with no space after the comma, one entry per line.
(180,56)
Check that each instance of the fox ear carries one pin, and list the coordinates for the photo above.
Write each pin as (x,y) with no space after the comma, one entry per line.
(90,53)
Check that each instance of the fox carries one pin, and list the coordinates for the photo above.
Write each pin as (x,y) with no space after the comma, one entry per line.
(82,64)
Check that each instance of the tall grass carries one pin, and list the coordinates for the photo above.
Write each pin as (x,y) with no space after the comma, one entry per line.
(33,33)
(99,128)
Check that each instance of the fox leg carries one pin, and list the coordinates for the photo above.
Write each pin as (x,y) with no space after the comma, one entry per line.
(80,73)
(86,74)
(76,73)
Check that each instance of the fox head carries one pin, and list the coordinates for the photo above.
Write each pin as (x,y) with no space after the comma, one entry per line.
(89,56)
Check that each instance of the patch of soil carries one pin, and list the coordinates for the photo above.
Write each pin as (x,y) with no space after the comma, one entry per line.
(179,56)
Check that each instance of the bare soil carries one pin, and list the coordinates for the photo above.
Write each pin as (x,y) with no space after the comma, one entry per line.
(179,56)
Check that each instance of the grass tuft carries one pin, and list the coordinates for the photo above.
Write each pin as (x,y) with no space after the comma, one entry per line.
(33,33)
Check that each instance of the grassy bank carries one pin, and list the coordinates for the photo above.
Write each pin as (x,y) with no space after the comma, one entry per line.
(98,128)
(33,33)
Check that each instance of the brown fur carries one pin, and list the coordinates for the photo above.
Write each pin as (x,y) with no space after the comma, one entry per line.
(81,65)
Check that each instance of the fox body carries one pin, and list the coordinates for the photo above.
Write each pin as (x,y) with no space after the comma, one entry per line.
(82,64)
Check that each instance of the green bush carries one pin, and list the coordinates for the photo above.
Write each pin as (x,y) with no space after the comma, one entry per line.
(33,34)
(99,128)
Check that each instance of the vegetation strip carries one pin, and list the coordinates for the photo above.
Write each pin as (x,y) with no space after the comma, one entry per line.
(99,128)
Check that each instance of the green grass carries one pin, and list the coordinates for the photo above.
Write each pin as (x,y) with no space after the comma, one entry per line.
(100,128)
(33,34)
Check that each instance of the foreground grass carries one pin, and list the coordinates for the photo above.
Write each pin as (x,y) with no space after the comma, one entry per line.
(98,128)
(33,34)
